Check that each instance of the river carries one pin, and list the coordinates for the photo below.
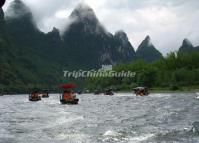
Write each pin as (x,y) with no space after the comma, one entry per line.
(123,118)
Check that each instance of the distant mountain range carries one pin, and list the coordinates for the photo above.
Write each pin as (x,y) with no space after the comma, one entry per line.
(31,56)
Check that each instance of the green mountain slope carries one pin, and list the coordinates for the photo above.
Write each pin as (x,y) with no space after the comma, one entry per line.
(30,58)
(147,51)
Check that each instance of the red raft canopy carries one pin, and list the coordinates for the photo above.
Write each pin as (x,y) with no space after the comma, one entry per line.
(67,86)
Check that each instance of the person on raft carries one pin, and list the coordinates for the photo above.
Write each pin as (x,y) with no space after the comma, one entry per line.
(67,95)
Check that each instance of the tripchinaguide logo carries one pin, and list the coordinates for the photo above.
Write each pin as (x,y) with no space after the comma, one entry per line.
(105,71)
(2,2)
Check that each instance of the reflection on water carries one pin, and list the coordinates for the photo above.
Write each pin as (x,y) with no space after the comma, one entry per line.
(123,118)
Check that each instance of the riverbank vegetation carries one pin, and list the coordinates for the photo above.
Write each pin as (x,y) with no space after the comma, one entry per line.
(177,71)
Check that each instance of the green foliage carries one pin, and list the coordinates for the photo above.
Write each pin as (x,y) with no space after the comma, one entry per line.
(172,72)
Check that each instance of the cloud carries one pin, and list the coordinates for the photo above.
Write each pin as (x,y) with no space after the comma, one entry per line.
(167,22)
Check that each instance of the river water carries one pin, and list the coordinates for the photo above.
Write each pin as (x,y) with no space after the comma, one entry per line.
(123,118)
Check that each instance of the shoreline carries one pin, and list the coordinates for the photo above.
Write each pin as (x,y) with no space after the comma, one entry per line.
(166,90)
(151,90)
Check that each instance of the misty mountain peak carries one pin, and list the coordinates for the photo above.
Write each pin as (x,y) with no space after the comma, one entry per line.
(186,46)
(81,7)
(18,9)
(148,38)
(84,12)
(84,20)
(146,43)
(147,51)
(187,43)
(124,47)
(55,30)
(121,35)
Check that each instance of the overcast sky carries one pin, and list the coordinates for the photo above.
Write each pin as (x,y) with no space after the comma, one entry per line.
(167,22)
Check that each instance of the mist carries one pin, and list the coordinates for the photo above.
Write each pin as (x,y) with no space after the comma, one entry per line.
(167,22)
